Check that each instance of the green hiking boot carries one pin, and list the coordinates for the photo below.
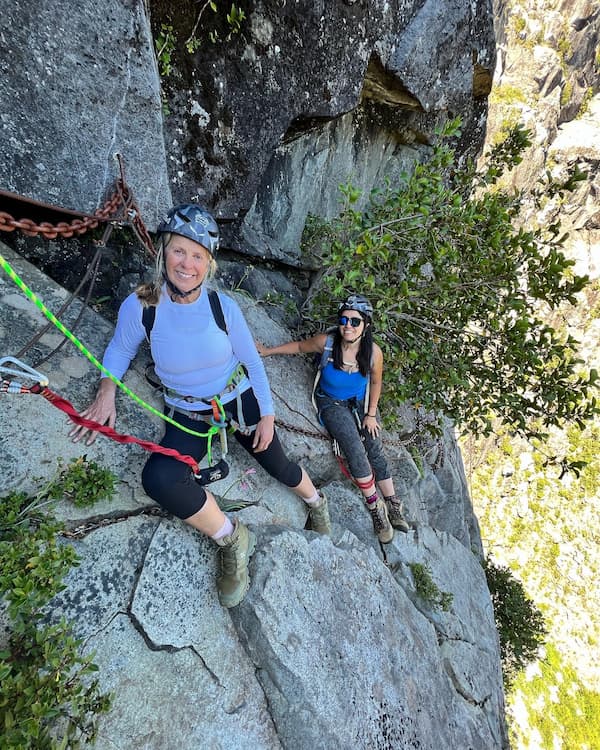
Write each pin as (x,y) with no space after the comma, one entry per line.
(319,515)
(381,522)
(395,513)
(235,551)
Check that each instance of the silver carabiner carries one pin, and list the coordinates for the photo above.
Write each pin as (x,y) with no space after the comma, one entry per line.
(23,371)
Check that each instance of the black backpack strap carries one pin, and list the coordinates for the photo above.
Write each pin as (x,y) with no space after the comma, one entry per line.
(217,310)
(148,316)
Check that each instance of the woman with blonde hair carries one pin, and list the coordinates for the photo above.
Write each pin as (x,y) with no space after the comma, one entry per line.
(200,360)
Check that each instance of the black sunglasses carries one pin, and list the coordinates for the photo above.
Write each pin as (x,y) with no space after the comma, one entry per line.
(354,322)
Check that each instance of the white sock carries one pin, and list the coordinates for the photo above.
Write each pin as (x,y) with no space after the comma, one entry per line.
(316,498)
(225,530)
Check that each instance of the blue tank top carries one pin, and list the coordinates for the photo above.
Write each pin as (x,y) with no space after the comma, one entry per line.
(342,385)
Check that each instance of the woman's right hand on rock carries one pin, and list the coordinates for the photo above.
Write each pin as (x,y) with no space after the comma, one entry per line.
(102,410)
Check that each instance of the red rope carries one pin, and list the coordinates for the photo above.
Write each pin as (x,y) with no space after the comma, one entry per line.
(68,408)
(345,472)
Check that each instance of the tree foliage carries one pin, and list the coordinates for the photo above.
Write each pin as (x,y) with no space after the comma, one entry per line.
(519,622)
(48,697)
(462,288)
(562,709)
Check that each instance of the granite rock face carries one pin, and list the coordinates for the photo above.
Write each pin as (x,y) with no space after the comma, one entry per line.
(263,126)
(80,85)
(333,645)
(309,95)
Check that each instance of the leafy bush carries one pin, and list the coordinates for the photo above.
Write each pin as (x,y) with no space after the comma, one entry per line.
(82,482)
(461,289)
(47,696)
(427,589)
(520,624)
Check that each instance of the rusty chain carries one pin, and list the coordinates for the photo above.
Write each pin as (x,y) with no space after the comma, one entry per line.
(133,212)
(63,229)
(120,207)
(412,438)
(402,442)
(122,199)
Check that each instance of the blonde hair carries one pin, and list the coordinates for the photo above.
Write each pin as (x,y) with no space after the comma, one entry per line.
(149,293)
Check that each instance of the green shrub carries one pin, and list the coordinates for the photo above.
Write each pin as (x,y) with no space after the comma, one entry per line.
(82,482)
(520,624)
(427,589)
(48,699)
(461,290)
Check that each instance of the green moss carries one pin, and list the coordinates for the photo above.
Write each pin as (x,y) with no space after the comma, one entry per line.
(507,94)
(566,93)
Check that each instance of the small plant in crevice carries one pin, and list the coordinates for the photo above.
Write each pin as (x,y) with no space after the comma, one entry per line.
(48,698)
(247,483)
(81,481)
(212,21)
(165,47)
(235,17)
(427,589)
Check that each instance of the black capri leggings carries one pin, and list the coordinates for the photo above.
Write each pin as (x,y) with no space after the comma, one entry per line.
(171,483)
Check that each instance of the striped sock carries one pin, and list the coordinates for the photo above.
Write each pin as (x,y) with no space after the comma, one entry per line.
(371,499)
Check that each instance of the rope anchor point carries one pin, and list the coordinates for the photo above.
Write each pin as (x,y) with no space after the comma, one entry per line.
(20,370)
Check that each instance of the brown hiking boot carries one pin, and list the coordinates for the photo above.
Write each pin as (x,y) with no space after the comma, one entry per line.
(395,513)
(234,552)
(319,515)
(381,523)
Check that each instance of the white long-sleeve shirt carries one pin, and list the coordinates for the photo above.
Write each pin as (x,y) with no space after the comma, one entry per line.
(192,355)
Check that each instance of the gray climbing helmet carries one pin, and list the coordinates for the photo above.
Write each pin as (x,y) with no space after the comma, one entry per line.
(357,302)
(195,222)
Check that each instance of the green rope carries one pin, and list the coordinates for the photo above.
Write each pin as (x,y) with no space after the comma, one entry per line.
(212,430)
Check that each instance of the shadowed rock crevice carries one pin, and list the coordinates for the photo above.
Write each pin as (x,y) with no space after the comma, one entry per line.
(75,530)
(384,87)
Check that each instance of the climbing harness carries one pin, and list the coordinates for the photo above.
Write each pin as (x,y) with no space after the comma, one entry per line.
(221,418)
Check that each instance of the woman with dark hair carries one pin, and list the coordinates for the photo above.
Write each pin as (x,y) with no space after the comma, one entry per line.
(346,398)
(201,360)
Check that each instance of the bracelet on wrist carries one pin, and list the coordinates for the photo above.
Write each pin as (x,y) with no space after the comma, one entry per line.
(373,416)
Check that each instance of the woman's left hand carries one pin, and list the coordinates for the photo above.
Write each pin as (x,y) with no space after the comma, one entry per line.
(371,425)
(263,436)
